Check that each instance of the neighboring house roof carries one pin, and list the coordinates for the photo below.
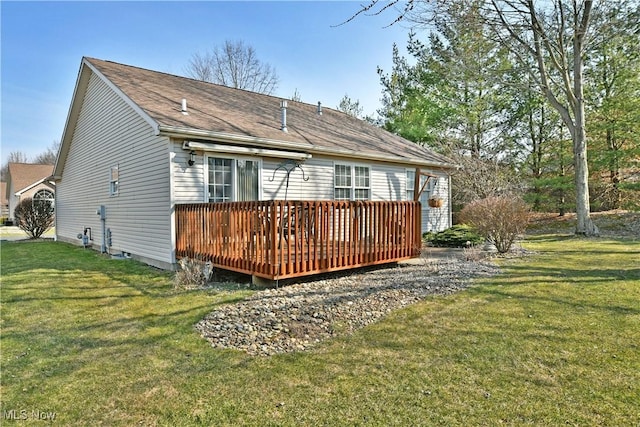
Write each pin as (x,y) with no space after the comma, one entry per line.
(24,176)
(223,114)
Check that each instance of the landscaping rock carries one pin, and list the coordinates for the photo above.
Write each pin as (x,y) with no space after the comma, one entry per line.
(298,316)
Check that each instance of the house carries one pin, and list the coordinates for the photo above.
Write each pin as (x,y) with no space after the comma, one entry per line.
(4,202)
(140,147)
(26,180)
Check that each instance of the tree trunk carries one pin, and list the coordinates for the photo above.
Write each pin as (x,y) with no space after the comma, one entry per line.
(585,225)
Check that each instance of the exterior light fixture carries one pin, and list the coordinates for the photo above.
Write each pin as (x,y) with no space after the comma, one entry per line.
(192,158)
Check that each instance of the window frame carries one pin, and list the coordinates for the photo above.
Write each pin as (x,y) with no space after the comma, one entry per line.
(410,182)
(51,199)
(234,175)
(114,184)
(353,185)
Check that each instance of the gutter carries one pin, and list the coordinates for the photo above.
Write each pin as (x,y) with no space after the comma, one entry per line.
(381,157)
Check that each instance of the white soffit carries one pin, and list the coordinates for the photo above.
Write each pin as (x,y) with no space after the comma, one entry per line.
(247,151)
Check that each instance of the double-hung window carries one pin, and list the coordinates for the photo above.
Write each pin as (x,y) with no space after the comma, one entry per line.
(352,182)
(232,180)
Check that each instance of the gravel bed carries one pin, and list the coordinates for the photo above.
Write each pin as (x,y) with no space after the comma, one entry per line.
(298,316)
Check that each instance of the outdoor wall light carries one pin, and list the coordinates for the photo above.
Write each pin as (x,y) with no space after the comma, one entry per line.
(192,158)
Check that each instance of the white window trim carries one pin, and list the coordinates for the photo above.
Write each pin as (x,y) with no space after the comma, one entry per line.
(409,186)
(352,167)
(234,171)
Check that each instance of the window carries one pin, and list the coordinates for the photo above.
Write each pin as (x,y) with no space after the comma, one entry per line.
(44,195)
(342,180)
(411,181)
(114,181)
(352,182)
(232,179)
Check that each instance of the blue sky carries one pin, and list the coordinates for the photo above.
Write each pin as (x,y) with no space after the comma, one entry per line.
(43,43)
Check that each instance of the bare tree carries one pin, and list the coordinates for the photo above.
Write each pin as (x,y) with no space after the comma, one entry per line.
(555,36)
(236,65)
(296,96)
(350,107)
(48,157)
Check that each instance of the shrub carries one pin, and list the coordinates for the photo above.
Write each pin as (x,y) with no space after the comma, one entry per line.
(499,219)
(34,217)
(193,273)
(458,236)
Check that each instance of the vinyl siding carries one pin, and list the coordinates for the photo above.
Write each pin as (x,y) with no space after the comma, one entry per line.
(388,182)
(319,185)
(109,133)
(436,219)
(188,181)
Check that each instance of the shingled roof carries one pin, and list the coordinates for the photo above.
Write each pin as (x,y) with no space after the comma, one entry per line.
(215,111)
(24,175)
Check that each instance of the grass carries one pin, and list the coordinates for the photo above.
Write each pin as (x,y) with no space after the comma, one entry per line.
(554,340)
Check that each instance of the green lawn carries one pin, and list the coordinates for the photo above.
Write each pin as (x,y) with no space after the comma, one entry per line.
(554,340)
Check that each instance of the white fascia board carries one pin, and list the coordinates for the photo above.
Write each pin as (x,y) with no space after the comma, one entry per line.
(250,151)
(381,157)
(29,187)
(74,110)
(72,118)
(147,118)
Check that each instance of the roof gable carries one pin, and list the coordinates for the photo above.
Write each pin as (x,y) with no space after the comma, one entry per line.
(25,175)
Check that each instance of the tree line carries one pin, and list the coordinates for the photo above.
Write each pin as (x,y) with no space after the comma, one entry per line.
(511,90)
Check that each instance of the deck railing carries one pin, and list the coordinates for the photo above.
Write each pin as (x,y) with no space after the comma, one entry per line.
(281,239)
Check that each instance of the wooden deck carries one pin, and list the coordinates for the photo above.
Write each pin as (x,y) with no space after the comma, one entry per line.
(283,239)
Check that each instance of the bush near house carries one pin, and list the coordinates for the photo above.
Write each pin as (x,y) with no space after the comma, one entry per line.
(34,217)
(499,219)
(458,236)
